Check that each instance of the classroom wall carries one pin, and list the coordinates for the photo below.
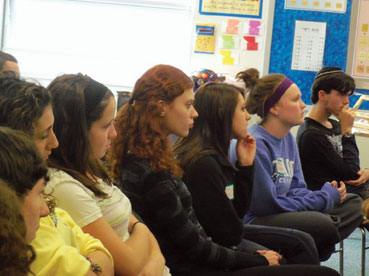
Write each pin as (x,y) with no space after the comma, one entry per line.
(278,31)
(336,50)
(258,59)
(340,29)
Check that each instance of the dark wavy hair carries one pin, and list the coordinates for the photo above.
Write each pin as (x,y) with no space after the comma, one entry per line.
(332,78)
(22,103)
(16,255)
(21,164)
(138,121)
(4,57)
(216,104)
(78,101)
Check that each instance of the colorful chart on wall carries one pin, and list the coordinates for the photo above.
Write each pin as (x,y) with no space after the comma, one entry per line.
(238,8)
(338,6)
(361,55)
(205,38)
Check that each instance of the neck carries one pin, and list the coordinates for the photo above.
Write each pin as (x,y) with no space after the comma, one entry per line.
(275,127)
(318,113)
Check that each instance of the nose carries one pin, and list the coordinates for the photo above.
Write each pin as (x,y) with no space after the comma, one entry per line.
(194,113)
(53,141)
(303,105)
(346,99)
(112,132)
(44,210)
(248,116)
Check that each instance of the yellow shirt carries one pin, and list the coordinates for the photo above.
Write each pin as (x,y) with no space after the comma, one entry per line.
(61,245)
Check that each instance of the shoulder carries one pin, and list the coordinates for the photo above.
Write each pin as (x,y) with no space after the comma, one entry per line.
(60,181)
(206,161)
(58,176)
(205,166)
(49,222)
(136,167)
(138,176)
(60,213)
(256,131)
(310,131)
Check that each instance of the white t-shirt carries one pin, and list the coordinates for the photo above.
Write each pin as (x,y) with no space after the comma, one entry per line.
(84,207)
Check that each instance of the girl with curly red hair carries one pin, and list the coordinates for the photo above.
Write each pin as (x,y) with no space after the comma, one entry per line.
(141,157)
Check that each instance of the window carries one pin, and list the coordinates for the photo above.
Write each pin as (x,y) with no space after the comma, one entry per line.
(114,42)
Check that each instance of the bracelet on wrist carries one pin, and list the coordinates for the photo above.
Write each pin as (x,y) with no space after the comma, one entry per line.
(134,224)
(94,267)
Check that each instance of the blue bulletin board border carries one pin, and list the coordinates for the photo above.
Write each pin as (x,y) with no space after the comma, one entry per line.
(232,14)
(335,50)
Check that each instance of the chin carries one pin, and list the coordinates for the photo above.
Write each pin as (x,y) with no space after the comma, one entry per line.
(182,134)
(30,237)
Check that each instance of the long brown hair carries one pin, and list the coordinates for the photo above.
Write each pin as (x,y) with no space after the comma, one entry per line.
(138,121)
(216,104)
(78,101)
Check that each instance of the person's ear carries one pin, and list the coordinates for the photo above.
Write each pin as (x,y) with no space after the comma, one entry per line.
(163,107)
(274,110)
(322,95)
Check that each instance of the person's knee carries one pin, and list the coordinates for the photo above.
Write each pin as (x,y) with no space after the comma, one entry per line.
(320,223)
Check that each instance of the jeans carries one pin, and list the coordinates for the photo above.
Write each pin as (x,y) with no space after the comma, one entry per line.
(295,246)
(285,270)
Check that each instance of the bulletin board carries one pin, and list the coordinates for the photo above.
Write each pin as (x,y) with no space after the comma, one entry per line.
(356,31)
(336,42)
(228,39)
(361,46)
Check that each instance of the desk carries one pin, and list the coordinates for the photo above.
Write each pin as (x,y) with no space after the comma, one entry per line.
(361,124)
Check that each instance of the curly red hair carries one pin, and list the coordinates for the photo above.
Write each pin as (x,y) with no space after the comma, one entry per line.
(138,123)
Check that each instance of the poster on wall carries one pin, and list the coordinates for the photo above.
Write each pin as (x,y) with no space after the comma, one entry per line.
(228,57)
(205,38)
(338,6)
(308,45)
(238,8)
(361,48)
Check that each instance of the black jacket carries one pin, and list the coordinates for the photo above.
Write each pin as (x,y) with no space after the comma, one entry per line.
(325,154)
(165,204)
(209,179)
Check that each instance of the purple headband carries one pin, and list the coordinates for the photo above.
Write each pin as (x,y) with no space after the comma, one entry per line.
(278,93)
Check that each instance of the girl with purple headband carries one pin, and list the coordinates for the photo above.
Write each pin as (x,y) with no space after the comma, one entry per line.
(280,196)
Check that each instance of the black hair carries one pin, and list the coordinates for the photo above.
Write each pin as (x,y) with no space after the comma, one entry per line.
(332,78)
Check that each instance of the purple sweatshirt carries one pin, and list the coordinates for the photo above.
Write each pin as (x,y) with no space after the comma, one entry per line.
(279,184)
